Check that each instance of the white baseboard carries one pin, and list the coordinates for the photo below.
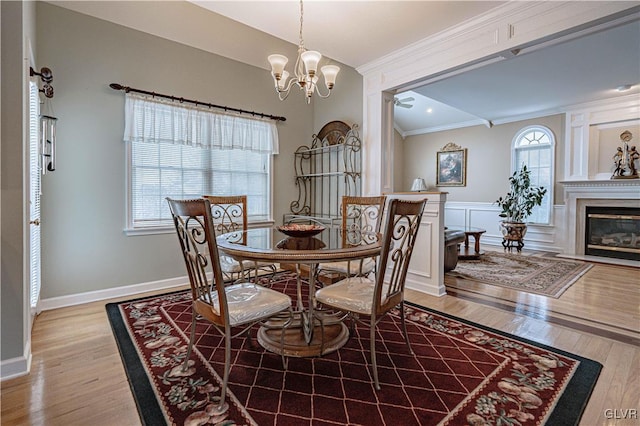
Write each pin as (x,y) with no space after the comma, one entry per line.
(95,296)
(18,366)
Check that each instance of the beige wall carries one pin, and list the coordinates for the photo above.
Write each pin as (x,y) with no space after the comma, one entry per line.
(488,158)
(399,184)
(84,247)
(344,104)
(12,202)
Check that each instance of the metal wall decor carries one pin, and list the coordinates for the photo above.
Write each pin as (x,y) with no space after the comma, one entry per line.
(325,171)
(48,122)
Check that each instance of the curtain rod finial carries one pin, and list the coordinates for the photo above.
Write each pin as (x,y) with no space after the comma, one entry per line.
(116,86)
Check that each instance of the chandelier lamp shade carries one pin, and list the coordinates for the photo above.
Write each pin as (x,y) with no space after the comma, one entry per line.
(305,72)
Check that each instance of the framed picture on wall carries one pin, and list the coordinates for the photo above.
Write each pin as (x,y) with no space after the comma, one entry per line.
(451,163)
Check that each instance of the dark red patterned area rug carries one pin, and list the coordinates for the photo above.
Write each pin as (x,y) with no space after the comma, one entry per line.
(461,373)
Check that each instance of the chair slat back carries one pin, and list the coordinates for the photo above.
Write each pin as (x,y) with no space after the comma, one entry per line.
(401,228)
(194,226)
(361,219)
(229,213)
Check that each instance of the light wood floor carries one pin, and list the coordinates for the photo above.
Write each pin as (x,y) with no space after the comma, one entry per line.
(77,377)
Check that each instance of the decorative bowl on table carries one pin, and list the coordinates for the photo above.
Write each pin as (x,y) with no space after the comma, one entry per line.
(300,230)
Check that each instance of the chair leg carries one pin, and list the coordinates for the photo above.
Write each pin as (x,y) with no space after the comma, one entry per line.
(192,338)
(404,328)
(223,406)
(374,365)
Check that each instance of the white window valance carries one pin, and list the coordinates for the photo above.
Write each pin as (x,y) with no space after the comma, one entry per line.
(154,120)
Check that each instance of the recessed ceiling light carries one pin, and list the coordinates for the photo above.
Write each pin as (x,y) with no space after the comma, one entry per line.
(623,88)
(429,110)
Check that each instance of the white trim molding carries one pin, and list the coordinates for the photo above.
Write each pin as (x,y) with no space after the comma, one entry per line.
(18,366)
(581,146)
(123,291)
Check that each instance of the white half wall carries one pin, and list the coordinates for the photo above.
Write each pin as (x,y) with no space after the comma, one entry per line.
(463,215)
(426,268)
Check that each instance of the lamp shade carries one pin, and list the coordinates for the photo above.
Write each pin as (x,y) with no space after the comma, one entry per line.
(278,63)
(330,72)
(283,80)
(311,59)
(418,185)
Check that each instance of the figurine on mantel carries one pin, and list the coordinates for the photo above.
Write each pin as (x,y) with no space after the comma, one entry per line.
(625,159)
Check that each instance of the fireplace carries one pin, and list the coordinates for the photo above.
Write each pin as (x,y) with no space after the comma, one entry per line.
(611,196)
(612,232)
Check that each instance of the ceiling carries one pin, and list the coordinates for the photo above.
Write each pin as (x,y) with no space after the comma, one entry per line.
(544,81)
(351,32)
(536,82)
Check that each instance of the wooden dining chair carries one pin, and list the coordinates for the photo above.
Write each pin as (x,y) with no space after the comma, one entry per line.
(230,215)
(361,219)
(359,297)
(229,308)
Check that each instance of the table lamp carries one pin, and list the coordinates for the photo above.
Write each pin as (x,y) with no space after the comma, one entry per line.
(418,185)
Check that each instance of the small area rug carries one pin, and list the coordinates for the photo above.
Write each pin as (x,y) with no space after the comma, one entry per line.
(461,373)
(534,274)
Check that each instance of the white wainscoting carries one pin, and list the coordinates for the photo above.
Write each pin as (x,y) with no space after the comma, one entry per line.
(485,215)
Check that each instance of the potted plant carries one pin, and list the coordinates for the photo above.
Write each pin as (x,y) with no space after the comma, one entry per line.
(517,205)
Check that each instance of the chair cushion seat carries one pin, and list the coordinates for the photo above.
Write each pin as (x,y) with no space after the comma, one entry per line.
(249,302)
(353,294)
(350,268)
(230,265)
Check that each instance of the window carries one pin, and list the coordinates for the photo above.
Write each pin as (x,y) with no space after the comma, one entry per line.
(187,152)
(534,146)
(34,195)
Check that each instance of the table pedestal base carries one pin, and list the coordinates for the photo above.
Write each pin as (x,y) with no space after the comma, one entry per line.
(335,336)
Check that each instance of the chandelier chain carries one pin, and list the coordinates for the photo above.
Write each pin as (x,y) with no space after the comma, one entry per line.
(301,16)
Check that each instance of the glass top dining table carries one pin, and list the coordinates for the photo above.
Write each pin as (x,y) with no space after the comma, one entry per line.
(307,337)
(268,244)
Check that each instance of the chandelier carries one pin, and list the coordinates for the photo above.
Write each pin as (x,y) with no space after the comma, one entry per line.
(305,71)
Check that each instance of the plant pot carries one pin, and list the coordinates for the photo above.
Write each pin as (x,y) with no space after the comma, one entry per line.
(512,234)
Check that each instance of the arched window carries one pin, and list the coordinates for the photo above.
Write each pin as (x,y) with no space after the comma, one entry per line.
(534,146)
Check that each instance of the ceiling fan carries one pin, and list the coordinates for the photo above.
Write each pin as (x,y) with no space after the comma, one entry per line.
(402,102)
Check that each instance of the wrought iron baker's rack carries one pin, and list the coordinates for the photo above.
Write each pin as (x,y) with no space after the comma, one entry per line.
(325,171)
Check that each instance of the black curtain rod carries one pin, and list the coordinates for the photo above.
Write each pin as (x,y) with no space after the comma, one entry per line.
(127,89)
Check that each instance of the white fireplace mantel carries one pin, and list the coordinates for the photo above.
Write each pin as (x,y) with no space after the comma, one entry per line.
(604,193)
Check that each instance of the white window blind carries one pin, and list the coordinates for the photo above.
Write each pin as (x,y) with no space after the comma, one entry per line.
(534,146)
(184,152)
(34,193)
